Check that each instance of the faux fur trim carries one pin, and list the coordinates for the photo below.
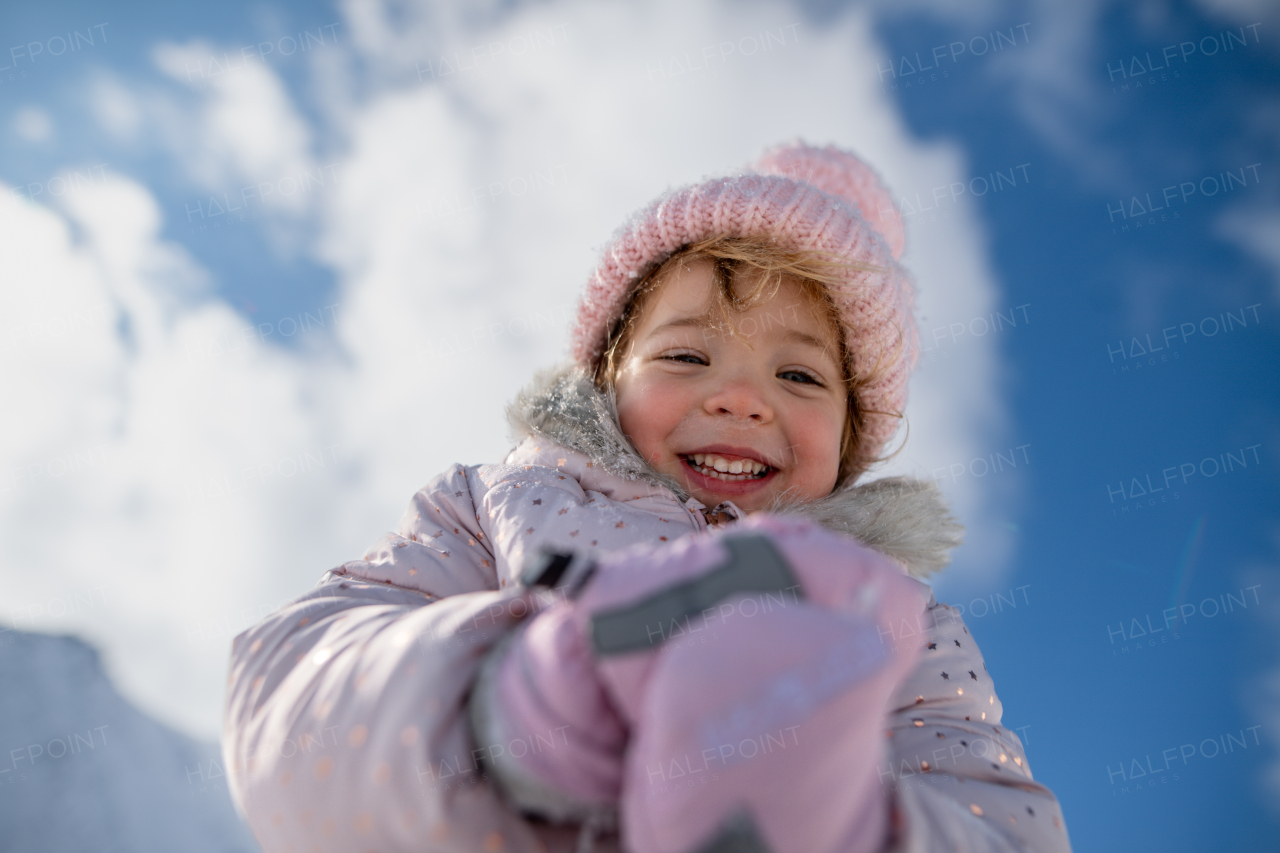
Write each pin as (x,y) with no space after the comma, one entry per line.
(562,405)
(904,518)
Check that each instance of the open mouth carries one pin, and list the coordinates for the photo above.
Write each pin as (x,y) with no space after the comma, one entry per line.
(728,470)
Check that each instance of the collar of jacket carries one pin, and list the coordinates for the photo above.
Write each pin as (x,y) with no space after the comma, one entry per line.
(904,518)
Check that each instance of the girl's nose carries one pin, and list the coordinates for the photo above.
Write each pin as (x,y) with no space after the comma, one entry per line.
(740,398)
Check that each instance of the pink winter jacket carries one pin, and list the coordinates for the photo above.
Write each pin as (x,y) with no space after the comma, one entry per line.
(347,725)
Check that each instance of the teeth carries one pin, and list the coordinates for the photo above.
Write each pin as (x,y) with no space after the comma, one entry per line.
(711,462)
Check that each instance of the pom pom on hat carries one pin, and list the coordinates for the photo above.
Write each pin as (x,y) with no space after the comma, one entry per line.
(839,173)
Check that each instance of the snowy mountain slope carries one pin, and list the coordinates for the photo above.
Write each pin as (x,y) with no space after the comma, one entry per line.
(82,769)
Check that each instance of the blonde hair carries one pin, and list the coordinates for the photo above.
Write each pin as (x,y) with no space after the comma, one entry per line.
(768,265)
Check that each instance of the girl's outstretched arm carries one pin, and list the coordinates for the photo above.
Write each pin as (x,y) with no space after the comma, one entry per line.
(345,726)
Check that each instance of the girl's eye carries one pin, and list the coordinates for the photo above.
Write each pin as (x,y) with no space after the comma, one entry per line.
(684,358)
(800,376)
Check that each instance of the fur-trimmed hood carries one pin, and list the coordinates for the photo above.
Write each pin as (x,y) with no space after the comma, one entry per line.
(902,517)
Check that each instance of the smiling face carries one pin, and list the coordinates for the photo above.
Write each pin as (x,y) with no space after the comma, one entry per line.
(747,416)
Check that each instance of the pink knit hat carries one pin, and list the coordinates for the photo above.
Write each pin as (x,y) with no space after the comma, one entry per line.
(807,198)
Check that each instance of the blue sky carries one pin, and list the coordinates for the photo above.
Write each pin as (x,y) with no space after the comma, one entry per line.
(255,249)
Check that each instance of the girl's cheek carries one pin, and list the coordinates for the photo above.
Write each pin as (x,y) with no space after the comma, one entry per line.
(661,406)
(644,420)
(817,446)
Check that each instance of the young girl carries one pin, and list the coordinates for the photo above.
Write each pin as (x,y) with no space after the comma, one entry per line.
(668,621)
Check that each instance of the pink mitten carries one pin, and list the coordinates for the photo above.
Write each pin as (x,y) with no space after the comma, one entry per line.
(766,735)
(767,605)
(641,599)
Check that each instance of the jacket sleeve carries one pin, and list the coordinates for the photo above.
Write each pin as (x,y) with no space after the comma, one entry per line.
(439,547)
(345,725)
(958,778)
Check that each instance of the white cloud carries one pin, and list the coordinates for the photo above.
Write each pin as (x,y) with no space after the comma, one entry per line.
(1051,71)
(1254,228)
(247,130)
(468,213)
(112,527)
(115,107)
(1245,12)
(33,124)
